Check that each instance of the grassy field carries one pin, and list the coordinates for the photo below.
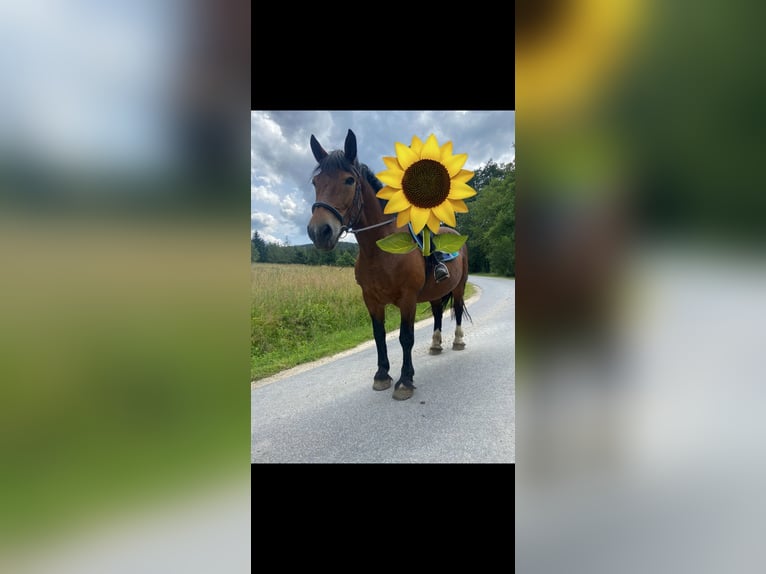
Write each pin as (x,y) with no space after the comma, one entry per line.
(301,313)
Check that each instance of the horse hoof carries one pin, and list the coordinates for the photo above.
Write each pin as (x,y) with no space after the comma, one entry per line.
(435,350)
(458,346)
(403,393)
(381,384)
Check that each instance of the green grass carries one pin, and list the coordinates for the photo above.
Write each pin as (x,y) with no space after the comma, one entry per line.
(301,313)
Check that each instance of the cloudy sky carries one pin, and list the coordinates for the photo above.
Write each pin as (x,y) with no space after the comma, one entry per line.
(281,161)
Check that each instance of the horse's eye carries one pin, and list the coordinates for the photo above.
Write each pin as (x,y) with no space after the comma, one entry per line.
(349,181)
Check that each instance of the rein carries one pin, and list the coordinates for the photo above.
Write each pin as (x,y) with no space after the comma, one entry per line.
(372,226)
(357,204)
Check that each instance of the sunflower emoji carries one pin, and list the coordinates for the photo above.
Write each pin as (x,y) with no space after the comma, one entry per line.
(425,184)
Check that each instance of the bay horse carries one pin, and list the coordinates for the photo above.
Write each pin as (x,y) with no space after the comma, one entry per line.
(346,202)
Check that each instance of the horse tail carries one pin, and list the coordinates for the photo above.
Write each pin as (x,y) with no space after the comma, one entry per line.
(448,302)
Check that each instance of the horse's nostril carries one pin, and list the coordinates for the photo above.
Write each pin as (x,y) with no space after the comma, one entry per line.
(321,234)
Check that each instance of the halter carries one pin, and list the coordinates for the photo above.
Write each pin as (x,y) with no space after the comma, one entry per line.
(357,205)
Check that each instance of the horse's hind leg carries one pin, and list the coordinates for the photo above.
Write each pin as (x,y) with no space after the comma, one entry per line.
(437,308)
(458,306)
(458,344)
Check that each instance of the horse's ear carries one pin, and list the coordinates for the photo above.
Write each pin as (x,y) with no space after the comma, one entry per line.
(350,147)
(318,150)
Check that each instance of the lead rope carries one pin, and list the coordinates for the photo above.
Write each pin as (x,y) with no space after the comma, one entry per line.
(382,223)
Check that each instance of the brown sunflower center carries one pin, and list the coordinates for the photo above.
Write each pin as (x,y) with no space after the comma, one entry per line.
(426,183)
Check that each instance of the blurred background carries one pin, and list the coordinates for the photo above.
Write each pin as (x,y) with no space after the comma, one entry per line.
(123,293)
(124,286)
(641,286)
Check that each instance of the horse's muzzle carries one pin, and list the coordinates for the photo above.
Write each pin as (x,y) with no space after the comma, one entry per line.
(323,236)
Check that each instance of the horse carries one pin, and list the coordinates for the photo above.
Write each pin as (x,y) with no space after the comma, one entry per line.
(346,202)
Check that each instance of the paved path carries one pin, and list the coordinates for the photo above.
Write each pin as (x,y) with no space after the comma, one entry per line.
(463,409)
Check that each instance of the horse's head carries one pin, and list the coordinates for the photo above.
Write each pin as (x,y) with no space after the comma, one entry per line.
(337,182)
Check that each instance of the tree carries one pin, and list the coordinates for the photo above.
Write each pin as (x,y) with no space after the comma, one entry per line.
(483,175)
(299,257)
(259,245)
(328,257)
(490,222)
(346,259)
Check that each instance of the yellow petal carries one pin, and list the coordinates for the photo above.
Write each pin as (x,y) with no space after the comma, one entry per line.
(431,149)
(397,202)
(454,163)
(391,163)
(464,176)
(419,217)
(403,218)
(433,223)
(446,152)
(391,177)
(416,145)
(444,212)
(406,156)
(459,190)
(458,205)
(386,192)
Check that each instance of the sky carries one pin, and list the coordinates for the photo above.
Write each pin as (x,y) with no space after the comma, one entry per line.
(281,161)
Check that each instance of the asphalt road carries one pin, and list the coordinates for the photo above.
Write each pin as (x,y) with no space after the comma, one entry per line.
(463,409)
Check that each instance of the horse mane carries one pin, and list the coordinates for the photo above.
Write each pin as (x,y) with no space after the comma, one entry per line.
(337,161)
(334,162)
(376,184)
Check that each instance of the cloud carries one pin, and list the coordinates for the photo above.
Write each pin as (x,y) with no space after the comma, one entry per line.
(265,224)
(263,194)
(279,151)
(265,219)
(292,207)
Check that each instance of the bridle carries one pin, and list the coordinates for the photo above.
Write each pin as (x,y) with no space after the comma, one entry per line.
(356,208)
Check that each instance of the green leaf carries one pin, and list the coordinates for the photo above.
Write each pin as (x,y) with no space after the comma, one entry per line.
(397,243)
(448,242)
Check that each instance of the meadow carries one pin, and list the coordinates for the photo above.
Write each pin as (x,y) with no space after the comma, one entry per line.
(300,313)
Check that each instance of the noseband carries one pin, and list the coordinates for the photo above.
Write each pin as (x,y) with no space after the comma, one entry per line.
(356,205)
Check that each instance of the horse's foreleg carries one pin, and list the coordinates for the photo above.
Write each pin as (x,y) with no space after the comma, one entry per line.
(404,386)
(381,380)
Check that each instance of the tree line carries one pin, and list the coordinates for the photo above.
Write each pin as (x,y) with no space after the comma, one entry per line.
(344,255)
(489,224)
